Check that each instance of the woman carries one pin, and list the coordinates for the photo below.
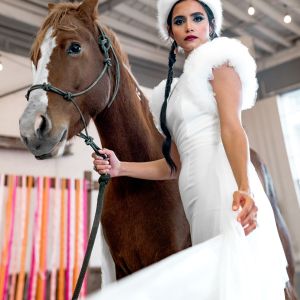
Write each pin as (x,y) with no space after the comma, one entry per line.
(206,146)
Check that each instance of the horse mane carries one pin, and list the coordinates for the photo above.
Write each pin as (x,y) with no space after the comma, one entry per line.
(56,14)
(54,19)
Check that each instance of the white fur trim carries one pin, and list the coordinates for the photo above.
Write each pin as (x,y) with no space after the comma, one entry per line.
(200,63)
(198,69)
(156,100)
(164,7)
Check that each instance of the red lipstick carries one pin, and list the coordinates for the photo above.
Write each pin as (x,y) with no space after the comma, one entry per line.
(190,38)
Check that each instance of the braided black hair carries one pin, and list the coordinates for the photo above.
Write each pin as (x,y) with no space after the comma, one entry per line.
(166,147)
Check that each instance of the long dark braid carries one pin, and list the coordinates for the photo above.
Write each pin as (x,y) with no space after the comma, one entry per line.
(166,147)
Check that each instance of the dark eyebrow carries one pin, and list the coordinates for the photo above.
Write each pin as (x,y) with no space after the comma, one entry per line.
(178,17)
(192,15)
(197,13)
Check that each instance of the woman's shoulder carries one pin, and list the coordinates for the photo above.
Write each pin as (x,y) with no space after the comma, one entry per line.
(222,52)
(218,52)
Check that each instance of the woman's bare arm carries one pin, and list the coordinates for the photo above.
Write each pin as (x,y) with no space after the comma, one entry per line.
(152,170)
(227,86)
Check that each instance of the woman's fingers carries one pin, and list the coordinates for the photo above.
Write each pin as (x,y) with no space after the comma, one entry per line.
(103,170)
(247,206)
(251,227)
(250,217)
(110,165)
(102,165)
(105,151)
(249,209)
(96,157)
(248,214)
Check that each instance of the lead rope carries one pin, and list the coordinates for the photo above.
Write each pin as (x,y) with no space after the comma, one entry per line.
(103,180)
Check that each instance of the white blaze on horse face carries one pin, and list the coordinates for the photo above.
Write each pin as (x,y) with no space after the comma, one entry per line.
(33,69)
(41,73)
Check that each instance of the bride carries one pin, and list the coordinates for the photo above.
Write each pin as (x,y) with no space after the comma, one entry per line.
(207,148)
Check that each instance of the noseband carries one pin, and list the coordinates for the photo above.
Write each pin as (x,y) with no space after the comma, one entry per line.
(105,46)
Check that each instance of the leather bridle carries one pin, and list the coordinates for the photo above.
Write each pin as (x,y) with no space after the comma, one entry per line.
(105,46)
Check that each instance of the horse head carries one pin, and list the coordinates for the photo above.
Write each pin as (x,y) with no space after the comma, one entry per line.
(66,62)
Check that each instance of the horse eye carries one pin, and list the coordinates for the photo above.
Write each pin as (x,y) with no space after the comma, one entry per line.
(74,49)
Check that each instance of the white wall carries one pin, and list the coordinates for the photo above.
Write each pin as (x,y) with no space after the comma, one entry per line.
(262,124)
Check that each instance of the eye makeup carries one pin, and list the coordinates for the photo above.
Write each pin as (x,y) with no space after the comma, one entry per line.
(178,20)
(197,17)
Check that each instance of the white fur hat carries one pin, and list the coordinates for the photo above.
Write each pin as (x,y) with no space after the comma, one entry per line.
(164,7)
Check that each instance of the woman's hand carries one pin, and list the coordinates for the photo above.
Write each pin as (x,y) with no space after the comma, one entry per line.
(110,166)
(247,216)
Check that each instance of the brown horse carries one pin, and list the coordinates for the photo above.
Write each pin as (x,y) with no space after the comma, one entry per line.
(143,221)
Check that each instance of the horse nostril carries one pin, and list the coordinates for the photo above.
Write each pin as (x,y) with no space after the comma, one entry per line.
(38,123)
(42,125)
(25,140)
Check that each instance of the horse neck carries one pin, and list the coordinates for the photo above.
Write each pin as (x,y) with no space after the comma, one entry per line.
(127,126)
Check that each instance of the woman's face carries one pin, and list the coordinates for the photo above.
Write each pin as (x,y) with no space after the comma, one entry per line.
(190,25)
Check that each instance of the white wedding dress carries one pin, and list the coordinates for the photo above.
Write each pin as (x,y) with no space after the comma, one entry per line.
(223,264)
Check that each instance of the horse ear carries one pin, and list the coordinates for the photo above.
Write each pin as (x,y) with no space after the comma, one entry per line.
(90,7)
(51,6)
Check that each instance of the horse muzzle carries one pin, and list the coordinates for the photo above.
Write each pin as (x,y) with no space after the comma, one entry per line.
(39,137)
(46,147)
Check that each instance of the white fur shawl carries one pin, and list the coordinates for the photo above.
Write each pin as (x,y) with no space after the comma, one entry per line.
(204,59)
(199,65)
(157,99)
